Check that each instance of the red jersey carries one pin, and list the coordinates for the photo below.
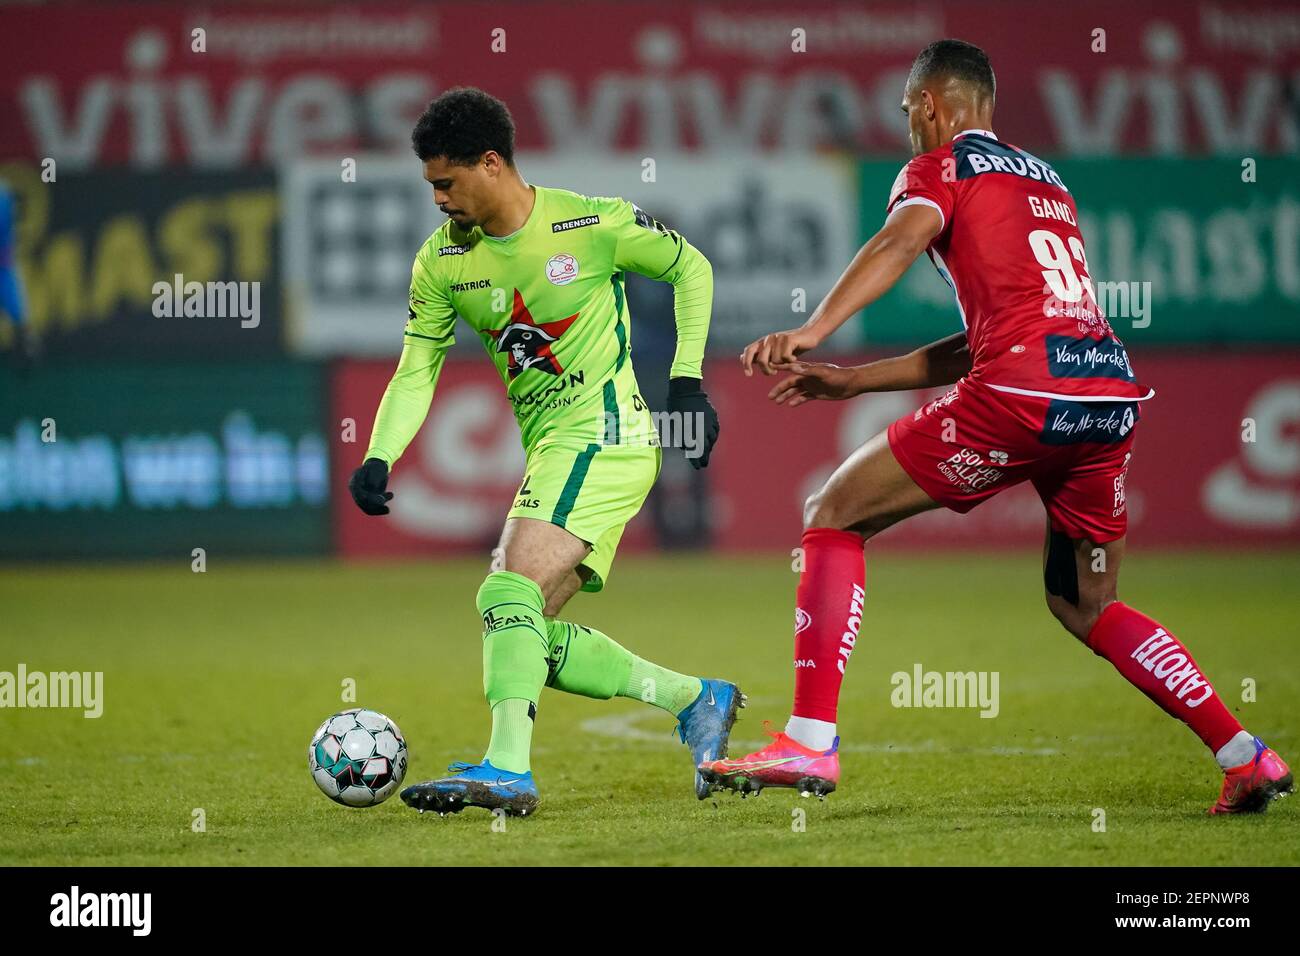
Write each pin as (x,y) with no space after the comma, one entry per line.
(1011,249)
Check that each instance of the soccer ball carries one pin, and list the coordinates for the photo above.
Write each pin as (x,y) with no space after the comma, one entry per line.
(357,758)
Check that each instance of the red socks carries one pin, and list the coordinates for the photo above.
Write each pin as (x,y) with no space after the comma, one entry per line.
(827,619)
(1156,663)
(829,615)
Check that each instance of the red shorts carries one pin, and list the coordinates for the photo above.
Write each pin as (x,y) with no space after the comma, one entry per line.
(976,441)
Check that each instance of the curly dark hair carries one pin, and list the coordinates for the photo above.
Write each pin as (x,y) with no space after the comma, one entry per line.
(462,124)
(956,58)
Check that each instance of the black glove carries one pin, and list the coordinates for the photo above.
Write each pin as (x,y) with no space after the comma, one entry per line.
(367,486)
(687,397)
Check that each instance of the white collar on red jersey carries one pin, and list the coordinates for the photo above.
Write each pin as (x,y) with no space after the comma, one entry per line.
(978,132)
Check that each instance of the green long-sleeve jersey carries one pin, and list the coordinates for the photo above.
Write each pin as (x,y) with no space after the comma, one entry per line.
(548,305)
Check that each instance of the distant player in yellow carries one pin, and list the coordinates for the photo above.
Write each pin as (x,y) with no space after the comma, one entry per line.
(538,275)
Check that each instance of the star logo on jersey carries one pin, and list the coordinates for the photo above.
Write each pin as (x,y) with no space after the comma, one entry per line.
(527,343)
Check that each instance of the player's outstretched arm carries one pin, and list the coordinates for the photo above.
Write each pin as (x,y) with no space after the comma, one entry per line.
(401,413)
(939,363)
(874,270)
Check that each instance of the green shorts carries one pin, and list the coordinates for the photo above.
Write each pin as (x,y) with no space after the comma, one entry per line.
(592,492)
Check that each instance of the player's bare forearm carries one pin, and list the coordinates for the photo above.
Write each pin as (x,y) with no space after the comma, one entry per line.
(939,363)
(877,266)
(874,270)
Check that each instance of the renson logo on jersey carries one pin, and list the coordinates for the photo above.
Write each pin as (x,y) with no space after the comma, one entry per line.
(579,223)
(978,154)
(527,343)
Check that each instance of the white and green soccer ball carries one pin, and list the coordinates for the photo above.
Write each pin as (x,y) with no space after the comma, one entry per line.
(357,757)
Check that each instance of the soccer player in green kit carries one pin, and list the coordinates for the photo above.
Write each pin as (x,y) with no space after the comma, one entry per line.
(538,274)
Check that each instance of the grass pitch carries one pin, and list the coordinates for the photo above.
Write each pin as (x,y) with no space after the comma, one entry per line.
(214,682)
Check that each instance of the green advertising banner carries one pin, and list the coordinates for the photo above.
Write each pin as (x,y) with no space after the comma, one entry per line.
(158,460)
(1218,241)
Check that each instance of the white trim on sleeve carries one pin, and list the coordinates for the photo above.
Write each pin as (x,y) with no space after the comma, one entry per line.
(922,201)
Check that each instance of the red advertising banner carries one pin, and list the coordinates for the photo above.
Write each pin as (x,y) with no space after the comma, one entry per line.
(1216,463)
(153,84)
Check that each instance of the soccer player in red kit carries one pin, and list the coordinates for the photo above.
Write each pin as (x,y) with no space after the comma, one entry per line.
(1044,393)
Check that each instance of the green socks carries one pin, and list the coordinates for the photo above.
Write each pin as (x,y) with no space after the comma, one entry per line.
(512,735)
(514,664)
(659,686)
(584,661)
(522,652)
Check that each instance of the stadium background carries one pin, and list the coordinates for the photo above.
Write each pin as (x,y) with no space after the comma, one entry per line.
(227,165)
(1179,141)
